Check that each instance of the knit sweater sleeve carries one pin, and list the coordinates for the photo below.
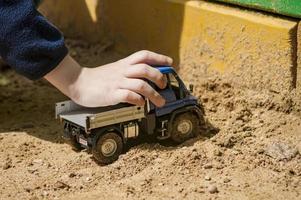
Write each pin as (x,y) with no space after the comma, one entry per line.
(28,42)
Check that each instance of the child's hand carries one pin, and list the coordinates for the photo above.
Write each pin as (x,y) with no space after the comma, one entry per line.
(113,83)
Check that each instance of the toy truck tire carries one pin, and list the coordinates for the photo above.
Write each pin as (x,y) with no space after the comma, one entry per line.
(70,138)
(107,148)
(184,126)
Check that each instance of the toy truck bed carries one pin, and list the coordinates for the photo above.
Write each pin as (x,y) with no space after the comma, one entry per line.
(92,118)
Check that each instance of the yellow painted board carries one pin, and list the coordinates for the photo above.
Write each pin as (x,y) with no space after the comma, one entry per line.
(254,49)
(251,48)
(299,59)
(76,18)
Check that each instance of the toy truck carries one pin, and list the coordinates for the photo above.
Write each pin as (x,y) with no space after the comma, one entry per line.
(106,130)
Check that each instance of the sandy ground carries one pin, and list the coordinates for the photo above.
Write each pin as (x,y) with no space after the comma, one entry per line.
(251,149)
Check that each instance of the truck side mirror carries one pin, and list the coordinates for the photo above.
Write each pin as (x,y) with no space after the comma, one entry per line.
(191,87)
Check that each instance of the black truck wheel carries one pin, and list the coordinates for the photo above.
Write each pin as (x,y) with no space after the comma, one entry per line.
(70,137)
(108,148)
(74,144)
(184,127)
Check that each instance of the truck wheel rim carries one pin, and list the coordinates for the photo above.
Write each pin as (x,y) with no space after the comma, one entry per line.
(184,127)
(109,147)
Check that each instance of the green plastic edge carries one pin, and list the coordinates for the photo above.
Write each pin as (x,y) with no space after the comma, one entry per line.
(290,8)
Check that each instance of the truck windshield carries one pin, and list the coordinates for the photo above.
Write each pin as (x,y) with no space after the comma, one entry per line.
(175,86)
(173,81)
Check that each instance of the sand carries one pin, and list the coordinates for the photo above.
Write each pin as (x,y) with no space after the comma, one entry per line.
(250,149)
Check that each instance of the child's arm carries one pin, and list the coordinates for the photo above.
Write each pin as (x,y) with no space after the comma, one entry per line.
(35,48)
(28,42)
(113,83)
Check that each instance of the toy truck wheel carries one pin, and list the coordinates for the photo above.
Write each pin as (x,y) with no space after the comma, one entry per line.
(184,127)
(108,148)
(74,144)
(70,138)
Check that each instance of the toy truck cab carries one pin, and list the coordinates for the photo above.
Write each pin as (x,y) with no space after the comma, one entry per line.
(105,130)
(181,113)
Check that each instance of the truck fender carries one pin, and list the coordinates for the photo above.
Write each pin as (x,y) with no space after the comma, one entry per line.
(193,109)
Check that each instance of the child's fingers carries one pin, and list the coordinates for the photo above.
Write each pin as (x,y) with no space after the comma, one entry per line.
(149,57)
(141,87)
(127,96)
(147,72)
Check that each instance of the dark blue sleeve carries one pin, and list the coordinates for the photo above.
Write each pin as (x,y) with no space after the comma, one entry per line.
(28,42)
